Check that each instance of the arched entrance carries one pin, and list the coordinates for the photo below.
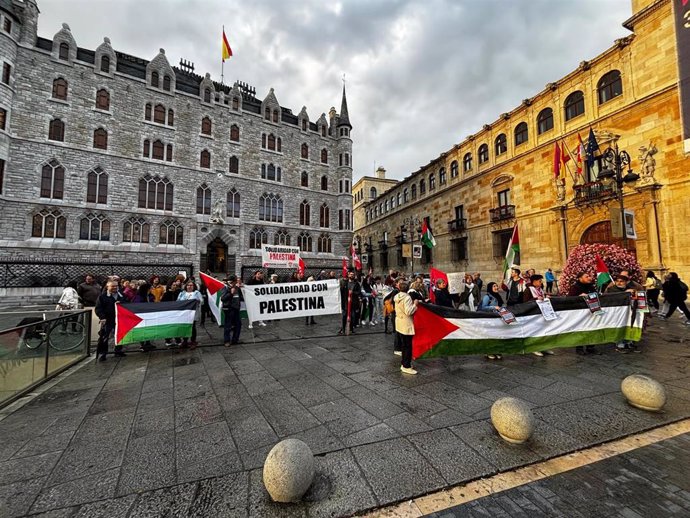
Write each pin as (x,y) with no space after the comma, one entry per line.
(217,260)
(601,233)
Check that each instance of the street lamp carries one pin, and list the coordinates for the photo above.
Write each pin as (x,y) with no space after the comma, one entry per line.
(619,159)
(413,223)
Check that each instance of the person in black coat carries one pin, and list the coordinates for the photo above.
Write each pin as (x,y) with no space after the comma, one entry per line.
(676,293)
(231,297)
(350,289)
(443,297)
(105,311)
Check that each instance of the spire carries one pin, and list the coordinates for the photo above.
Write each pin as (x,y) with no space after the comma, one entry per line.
(344,118)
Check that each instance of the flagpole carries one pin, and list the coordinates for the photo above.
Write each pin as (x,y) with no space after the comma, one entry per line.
(571,158)
(222,61)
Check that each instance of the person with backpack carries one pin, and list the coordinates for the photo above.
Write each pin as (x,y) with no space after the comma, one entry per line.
(676,293)
(653,286)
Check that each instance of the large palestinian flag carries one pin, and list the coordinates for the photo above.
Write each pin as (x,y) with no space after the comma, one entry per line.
(441,331)
(214,289)
(146,321)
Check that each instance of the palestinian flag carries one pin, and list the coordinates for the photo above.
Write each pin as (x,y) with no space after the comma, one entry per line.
(145,321)
(428,239)
(512,255)
(441,331)
(603,275)
(215,289)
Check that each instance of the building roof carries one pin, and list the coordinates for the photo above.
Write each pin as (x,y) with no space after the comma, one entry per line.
(344,118)
(8,7)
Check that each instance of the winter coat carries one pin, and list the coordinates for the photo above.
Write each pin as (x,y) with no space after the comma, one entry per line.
(443,297)
(69,299)
(194,295)
(578,288)
(488,303)
(404,309)
(105,307)
(675,292)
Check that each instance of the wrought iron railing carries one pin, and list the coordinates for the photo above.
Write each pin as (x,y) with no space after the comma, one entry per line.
(457,225)
(502,213)
(594,192)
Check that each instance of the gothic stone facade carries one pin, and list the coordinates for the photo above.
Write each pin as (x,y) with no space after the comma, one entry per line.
(107,157)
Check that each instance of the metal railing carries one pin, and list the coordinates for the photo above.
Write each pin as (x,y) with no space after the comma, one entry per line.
(457,225)
(594,192)
(39,347)
(502,213)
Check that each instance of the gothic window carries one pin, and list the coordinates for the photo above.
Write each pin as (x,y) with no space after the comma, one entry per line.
(100,139)
(323,130)
(63,52)
(158,150)
(103,99)
(94,228)
(386,206)
(422,189)
(304,179)
(483,153)
(147,149)
(454,169)
(467,162)
(3,118)
(275,116)
(171,233)
(413,190)
(136,230)
(609,86)
(340,159)
(324,244)
(147,112)
(166,83)
(304,214)
(324,183)
(279,145)
(304,242)
(105,64)
(234,166)
(205,159)
(203,199)
(397,199)
(171,118)
(574,105)
(232,208)
(236,103)
(442,178)
(97,186)
(60,89)
(501,144)
(7,25)
(263,141)
(206,126)
(281,238)
(56,130)
(372,193)
(271,172)
(267,114)
(169,153)
(271,208)
(432,182)
(257,237)
(52,180)
(271,142)
(521,133)
(544,121)
(155,193)
(155,81)
(324,216)
(159,114)
(324,156)
(207,95)
(235,133)
(6,73)
(304,124)
(49,223)
(406,195)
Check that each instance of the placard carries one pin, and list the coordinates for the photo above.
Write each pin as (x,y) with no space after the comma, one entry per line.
(289,300)
(507,316)
(629,218)
(280,256)
(547,310)
(456,282)
(417,251)
(407,250)
(642,302)
(593,302)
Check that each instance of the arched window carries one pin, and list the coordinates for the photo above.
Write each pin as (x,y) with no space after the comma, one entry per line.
(304,242)
(281,238)
(236,103)
(521,133)
(232,208)
(385,205)
(279,145)
(166,83)
(169,153)
(146,153)
(49,224)
(234,166)
(52,180)
(105,64)
(574,105)
(56,130)
(155,81)
(267,114)
(207,95)
(609,86)
(501,144)
(158,150)
(324,244)
(272,142)
(203,199)
(324,156)
(100,139)
(63,52)
(147,112)
(544,121)
(324,216)
(324,183)
(235,133)
(372,193)
(97,186)
(304,179)
(406,195)
(397,200)
(347,159)
(413,191)
(323,131)
(155,193)
(263,141)
(442,179)
(205,159)
(171,233)
(60,89)
(304,124)
(206,126)
(159,114)
(467,162)
(275,116)
(271,172)
(257,237)
(171,117)
(304,213)
(454,169)
(136,230)
(422,187)
(271,208)
(94,228)
(483,153)
(103,99)
(305,151)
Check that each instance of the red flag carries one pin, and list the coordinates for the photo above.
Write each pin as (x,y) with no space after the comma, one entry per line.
(435,275)
(565,155)
(556,160)
(355,258)
(301,267)
(344,267)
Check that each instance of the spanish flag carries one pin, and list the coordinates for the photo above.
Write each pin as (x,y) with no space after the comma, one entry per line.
(226,50)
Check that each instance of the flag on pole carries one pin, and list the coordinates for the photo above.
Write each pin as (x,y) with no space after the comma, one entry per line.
(435,275)
(557,162)
(225,49)
(565,153)
(215,289)
(140,322)
(428,239)
(512,254)
(603,275)
(592,147)
(301,267)
(580,153)
(356,262)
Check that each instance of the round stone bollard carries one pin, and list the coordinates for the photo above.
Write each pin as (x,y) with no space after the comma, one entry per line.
(288,470)
(644,392)
(512,419)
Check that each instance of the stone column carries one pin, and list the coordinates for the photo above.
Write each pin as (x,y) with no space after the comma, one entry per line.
(654,251)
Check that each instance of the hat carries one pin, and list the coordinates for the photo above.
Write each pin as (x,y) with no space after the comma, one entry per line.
(535,277)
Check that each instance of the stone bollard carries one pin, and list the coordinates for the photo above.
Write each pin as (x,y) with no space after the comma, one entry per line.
(644,392)
(288,470)
(512,419)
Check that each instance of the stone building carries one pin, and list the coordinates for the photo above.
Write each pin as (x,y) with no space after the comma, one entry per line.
(110,158)
(366,189)
(502,175)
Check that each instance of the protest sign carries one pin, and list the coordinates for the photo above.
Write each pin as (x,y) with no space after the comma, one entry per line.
(280,256)
(456,282)
(546,309)
(290,300)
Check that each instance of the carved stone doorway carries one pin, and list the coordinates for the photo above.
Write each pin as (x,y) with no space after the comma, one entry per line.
(217,259)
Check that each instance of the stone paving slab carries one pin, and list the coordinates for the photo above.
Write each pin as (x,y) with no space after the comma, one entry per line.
(185,433)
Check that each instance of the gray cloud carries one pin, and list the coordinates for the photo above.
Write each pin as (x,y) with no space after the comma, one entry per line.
(421,74)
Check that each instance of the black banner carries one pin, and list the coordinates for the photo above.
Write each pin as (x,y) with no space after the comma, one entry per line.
(682,17)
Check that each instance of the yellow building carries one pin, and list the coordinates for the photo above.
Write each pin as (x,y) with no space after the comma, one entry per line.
(367,189)
(477,191)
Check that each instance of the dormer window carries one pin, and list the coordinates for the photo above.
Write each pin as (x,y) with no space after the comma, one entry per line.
(304,124)
(236,103)
(105,64)
(207,95)
(155,80)
(166,83)
(275,116)
(63,52)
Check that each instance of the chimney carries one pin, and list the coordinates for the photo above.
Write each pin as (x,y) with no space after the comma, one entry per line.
(381,173)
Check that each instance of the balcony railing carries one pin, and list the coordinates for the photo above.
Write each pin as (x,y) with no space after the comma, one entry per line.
(457,225)
(502,213)
(594,192)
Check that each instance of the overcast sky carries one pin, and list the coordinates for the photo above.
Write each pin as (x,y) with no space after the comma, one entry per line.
(421,75)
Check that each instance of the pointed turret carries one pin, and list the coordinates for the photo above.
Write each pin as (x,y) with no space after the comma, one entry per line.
(344,118)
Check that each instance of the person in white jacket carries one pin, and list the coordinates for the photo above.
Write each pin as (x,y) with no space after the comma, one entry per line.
(405,307)
(192,293)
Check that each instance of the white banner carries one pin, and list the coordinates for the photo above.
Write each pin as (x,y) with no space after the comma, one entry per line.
(279,256)
(290,300)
